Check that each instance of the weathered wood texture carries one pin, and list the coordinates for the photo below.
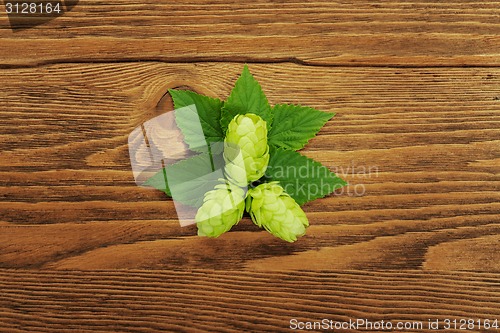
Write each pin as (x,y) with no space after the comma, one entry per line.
(423,146)
(409,33)
(229,301)
(416,89)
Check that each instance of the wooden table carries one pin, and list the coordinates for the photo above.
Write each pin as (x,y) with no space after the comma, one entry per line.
(415,237)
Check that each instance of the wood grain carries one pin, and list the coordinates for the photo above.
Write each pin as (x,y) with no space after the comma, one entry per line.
(403,33)
(229,301)
(422,168)
(415,86)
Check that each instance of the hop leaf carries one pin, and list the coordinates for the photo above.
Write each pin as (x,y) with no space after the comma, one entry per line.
(245,149)
(200,124)
(222,208)
(295,125)
(272,208)
(303,178)
(246,97)
(260,144)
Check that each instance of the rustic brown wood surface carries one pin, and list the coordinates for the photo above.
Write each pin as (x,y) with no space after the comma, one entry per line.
(415,236)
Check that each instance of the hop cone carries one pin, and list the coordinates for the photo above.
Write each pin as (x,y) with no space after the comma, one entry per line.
(271,207)
(246,134)
(222,208)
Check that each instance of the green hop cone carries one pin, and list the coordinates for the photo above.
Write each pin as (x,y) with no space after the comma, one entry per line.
(275,210)
(222,208)
(245,149)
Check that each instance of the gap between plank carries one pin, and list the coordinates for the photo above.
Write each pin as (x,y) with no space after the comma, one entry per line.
(291,60)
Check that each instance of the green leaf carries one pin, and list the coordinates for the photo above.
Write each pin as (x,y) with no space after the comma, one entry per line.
(295,125)
(200,126)
(246,97)
(159,182)
(301,177)
(187,181)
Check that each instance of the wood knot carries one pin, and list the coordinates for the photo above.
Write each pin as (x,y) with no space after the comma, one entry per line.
(166,103)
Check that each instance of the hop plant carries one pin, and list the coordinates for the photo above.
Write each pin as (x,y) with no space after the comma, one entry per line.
(222,208)
(272,208)
(241,123)
(245,149)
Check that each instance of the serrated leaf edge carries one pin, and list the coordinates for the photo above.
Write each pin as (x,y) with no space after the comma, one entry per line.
(203,121)
(307,142)
(314,162)
(225,120)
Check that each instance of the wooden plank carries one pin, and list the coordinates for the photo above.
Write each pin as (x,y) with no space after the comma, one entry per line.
(230,301)
(415,236)
(417,33)
(419,147)
(463,255)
